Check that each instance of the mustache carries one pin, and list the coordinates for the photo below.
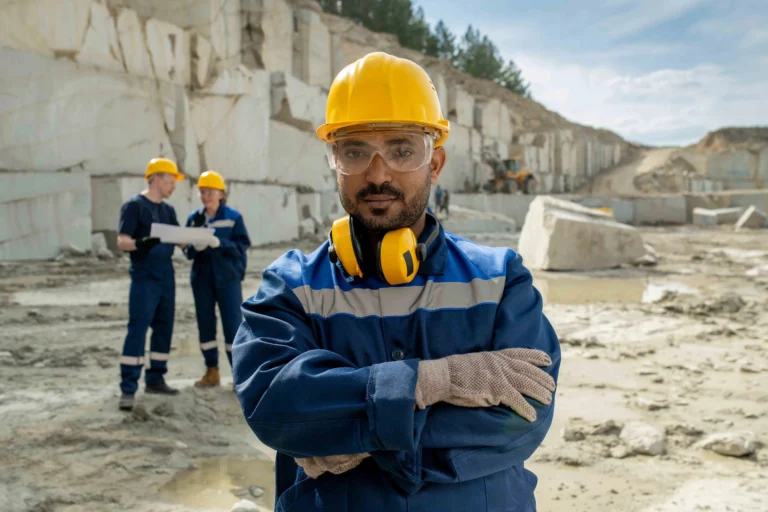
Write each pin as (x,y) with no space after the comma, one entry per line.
(385,189)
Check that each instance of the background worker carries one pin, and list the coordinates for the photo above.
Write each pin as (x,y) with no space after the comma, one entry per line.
(397,367)
(218,269)
(151,302)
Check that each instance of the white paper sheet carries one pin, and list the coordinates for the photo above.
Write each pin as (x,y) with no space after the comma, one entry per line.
(170,234)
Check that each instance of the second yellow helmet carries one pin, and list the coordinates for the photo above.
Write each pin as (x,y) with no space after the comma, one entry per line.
(211,179)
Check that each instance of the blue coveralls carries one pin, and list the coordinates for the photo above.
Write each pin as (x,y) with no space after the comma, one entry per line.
(323,366)
(216,278)
(151,301)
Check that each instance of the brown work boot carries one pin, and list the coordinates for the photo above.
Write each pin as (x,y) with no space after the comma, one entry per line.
(210,379)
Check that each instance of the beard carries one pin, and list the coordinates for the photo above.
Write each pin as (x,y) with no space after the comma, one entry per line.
(379,220)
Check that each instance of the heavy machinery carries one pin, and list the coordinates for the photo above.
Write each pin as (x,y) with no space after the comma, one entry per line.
(508,175)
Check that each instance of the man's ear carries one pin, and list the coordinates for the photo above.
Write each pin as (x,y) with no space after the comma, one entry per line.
(437,163)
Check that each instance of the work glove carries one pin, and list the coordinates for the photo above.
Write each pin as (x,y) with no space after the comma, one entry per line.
(336,464)
(484,379)
(198,219)
(147,243)
(214,242)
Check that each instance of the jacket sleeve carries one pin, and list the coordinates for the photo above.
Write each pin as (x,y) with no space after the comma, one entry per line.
(189,250)
(459,443)
(293,392)
(240,242)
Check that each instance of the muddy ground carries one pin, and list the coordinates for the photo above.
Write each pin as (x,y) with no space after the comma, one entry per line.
(681,346)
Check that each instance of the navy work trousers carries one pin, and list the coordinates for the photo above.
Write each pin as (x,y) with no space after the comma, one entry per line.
(151,303)
(229,297)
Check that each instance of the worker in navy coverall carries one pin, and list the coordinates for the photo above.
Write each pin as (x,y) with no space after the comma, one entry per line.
(424,394)
(218,269)
(151,301)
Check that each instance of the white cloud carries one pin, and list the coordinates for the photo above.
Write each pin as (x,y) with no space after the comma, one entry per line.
(672,106)
(632,16)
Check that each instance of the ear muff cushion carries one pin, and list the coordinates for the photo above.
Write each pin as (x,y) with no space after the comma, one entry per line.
(347,248)
(398,263)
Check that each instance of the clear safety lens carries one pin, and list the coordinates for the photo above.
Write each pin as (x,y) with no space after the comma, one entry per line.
(401,151)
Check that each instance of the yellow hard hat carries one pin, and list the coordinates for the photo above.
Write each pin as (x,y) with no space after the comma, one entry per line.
(157,165)
(382,88)
(211,179)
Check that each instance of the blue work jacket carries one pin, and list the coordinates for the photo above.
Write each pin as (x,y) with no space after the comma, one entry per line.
(325,366)
(136,218)
(228,261)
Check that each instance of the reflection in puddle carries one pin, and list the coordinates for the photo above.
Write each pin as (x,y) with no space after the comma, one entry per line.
(563,289)
(220,482)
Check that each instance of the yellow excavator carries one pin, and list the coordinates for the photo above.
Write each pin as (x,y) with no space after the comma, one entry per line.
(509,176)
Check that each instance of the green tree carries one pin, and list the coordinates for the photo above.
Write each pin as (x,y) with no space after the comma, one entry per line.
(474,54)
(445,42)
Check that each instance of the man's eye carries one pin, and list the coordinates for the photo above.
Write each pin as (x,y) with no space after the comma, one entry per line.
(353,153)
(403,153)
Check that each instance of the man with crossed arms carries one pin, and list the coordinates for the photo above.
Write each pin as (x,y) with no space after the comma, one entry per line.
(424,395)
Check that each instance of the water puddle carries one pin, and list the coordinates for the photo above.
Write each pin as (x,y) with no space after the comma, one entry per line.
(569,289)
(107,291)
(220,482)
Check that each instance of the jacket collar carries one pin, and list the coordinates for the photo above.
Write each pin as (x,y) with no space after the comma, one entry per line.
(437,252)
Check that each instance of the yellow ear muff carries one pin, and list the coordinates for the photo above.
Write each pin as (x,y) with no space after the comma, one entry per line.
(343,245)
(398,260)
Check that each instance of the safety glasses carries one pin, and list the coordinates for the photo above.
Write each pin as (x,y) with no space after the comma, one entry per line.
(401,150)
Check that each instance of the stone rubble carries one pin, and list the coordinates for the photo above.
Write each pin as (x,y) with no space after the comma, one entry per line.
(753,217)
(733,444)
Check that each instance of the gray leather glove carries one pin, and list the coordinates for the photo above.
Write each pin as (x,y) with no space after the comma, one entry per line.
(484,379)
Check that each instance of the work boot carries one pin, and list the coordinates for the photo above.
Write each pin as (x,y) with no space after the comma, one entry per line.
(210,379)
(126,402)
(161,388)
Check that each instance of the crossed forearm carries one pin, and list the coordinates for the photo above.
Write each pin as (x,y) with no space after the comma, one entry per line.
(480,379)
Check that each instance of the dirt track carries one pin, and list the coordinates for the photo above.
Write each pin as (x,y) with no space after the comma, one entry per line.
(681,346)
(620,181)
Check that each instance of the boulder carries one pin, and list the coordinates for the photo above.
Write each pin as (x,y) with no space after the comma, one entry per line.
(753,217)
(312,49)
(705,217)
(131,38)
(216,20)
(733,444)
(644,439)
(245,506)
(660,210)
(461,106)
(231,82)
(56,115)
(297,103)
(43,214)
(487,117)
(203,58)
(169,47)
(101,48)
(267,34)
(239,143)
(296,158)
(207,112)
(182,136)
(61,30)
(464,220)
(269,211)
(561,235)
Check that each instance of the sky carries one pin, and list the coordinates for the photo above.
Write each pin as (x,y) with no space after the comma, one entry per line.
(658,72)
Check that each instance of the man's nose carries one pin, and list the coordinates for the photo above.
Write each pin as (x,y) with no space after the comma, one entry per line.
(378,172)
